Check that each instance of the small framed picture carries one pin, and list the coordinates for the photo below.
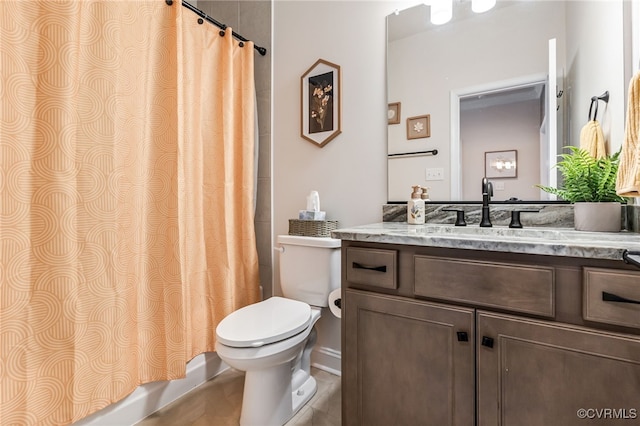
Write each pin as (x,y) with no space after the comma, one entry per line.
(320,103)
(501,164)
(419,127)
(393,113)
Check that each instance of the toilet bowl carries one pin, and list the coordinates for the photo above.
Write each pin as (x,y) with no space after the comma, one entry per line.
(271,341)
(276,386)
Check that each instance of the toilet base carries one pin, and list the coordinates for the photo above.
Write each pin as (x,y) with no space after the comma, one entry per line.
(304,393)
(267,407)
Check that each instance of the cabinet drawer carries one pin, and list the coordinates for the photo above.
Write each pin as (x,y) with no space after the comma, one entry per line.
(512,287)
(612,296)
(372,267)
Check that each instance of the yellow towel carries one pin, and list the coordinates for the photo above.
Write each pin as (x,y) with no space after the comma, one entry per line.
(628,179)
(592,139)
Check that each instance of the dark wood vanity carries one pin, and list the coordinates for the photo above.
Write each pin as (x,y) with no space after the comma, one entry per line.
(445,336)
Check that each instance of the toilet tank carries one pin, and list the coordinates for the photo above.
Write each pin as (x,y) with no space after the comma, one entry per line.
(309,268)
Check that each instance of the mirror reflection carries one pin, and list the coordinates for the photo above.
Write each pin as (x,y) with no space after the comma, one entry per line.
(518,77)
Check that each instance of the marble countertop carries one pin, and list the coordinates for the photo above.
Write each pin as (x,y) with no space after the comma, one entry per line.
(543,241)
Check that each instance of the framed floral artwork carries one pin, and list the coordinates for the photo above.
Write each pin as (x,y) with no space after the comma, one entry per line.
(419,127)
(320,103)
(393,113)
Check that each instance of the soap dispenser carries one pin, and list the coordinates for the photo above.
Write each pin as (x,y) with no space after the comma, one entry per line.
(425,194)
(415,207)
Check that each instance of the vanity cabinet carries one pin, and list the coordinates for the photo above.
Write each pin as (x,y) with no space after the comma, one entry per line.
(435,336)
(541,373)
(407,362)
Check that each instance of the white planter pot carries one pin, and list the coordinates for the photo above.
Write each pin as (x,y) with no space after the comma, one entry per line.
(600,217)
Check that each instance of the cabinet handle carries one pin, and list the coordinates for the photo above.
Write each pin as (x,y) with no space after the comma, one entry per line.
(632,257)
(382,268)
(487,341)
(610,297)
(463,336)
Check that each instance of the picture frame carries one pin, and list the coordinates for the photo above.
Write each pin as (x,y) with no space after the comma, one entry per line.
(320,111)
(393,113)
(501,164)
(419,127)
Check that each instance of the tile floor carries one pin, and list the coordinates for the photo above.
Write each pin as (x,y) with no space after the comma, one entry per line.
(218,401)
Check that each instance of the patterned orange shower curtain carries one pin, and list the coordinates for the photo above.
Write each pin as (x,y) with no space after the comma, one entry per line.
(126,180)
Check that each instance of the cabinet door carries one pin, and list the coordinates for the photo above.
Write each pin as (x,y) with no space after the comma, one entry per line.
(540,373)
(404,362)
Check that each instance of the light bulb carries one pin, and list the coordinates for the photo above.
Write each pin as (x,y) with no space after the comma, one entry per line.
(441,11)
(479,6)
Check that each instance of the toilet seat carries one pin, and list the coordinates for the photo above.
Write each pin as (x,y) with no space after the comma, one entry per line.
(265,322)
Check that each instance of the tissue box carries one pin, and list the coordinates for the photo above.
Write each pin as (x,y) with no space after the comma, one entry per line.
(311,215)
(312,228)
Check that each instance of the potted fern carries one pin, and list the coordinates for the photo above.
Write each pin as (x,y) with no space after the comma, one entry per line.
(590,184)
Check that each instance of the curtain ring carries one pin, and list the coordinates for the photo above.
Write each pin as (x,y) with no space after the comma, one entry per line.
(241,44)
(168,2)
(200,21)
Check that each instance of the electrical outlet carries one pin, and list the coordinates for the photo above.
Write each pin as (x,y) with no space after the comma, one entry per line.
(434,174)
(498,186)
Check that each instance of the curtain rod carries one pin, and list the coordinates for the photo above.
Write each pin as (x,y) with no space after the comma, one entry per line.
(261,50)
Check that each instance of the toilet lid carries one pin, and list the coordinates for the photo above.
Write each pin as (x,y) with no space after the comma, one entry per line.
(264,322)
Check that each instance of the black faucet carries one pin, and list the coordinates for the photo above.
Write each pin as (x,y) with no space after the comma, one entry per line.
(487,192)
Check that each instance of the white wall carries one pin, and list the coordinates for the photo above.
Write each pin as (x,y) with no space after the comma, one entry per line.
(350,172)
(519,130)
(595,63)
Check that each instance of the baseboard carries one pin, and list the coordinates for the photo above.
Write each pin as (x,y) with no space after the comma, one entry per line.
(151,397)
(327,359)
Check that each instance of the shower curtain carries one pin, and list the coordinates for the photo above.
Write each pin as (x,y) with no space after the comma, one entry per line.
(126,183)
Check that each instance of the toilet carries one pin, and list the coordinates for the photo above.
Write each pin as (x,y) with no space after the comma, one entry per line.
(271,341)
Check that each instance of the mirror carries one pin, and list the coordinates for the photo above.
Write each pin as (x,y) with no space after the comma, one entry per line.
(497,82)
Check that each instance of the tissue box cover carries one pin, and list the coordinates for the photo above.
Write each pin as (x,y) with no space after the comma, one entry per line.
(312,215)
(312,228)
